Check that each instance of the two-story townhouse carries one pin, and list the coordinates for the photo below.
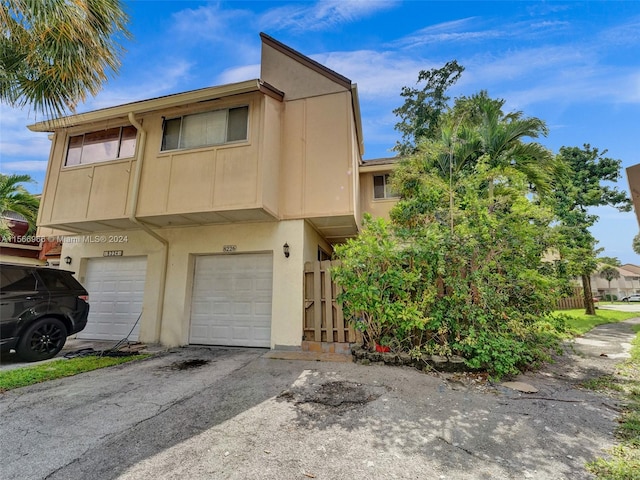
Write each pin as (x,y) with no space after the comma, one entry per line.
(195,212)
(627,283)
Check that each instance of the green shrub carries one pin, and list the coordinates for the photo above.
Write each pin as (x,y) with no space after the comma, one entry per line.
(470,283)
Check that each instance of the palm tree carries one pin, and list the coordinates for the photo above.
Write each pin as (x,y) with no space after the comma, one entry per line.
(501,137)
(609,272)
(53,53)
(476,130)
(14,198)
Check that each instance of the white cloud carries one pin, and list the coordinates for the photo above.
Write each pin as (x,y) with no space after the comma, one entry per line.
(227,34)
(321,15)
(23,145)
(211,22)
(453,31)
(239,74)
(632,88)
(24,166)
(623,34)
(377,74)
(17,140)
(164,80)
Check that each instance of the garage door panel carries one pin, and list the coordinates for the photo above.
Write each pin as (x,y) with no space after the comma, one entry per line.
(231,302)
(262,333)
(263,308)
(242,309)
(220,308)
(116,291)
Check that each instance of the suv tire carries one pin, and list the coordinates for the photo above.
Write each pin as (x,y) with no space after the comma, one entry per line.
(42,340)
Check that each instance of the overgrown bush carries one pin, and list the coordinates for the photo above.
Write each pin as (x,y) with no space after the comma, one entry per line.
(468,281)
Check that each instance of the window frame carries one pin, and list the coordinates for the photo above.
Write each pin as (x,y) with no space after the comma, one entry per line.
(120,138)
(178,148)
(388,193)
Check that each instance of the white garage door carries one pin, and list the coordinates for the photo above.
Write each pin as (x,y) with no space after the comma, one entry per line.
(231,303)
(116,288)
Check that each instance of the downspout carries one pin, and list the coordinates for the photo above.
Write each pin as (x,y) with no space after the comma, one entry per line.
(132,217)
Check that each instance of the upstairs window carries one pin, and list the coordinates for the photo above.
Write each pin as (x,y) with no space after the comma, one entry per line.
(204,129)
(382,187)
(110,144)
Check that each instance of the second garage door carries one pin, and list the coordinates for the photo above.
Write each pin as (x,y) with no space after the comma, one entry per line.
(116,290)
(231,303)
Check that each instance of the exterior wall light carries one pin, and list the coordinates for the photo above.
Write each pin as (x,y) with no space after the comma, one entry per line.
(67,260)
(285,250)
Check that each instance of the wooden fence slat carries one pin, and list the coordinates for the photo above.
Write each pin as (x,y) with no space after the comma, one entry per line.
(328,300)
(320,302)
(338,310)
(573,302)
(317,303)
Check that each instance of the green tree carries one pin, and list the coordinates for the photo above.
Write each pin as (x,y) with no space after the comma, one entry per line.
(502,142)
(475,288)
(15,198)
(423,106)
(584,185)
(636,244)
(475,130)
(609,273)
(55,52)
(459,270)
(612,261)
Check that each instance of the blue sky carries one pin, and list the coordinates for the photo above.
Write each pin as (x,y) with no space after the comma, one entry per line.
(575,65)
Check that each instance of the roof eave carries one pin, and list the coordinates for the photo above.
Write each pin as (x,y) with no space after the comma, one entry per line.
(355,99)
(159,103)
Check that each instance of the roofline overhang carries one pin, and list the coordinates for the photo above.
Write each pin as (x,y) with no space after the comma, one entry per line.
(380,165)
(355,100)
(159,103)
(387,167)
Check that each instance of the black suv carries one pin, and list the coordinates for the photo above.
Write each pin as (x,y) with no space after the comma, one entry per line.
(39,308)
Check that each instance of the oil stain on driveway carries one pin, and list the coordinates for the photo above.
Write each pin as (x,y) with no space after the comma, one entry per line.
(209,413)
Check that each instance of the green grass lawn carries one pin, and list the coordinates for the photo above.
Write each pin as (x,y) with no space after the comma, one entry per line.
(578,323)
(24,376)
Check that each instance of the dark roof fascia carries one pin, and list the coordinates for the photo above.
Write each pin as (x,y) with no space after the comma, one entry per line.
(308,62)
(381,161)
(270,91)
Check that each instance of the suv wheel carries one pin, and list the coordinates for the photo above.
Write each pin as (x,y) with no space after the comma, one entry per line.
(42,340)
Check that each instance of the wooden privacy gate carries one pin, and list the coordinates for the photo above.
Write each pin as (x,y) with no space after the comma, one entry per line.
(323,318)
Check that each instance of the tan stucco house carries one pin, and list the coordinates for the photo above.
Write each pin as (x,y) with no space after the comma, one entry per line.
(196,212)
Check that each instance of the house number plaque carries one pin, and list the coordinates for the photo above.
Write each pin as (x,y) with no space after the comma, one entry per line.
(112,253)
(229,248)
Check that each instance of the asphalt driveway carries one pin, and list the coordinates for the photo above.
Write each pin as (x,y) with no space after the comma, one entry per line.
(209,413)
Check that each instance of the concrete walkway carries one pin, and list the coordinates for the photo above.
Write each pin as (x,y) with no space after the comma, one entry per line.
(612,340)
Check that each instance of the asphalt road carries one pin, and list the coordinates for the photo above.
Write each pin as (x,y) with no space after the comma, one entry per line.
(216,413)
